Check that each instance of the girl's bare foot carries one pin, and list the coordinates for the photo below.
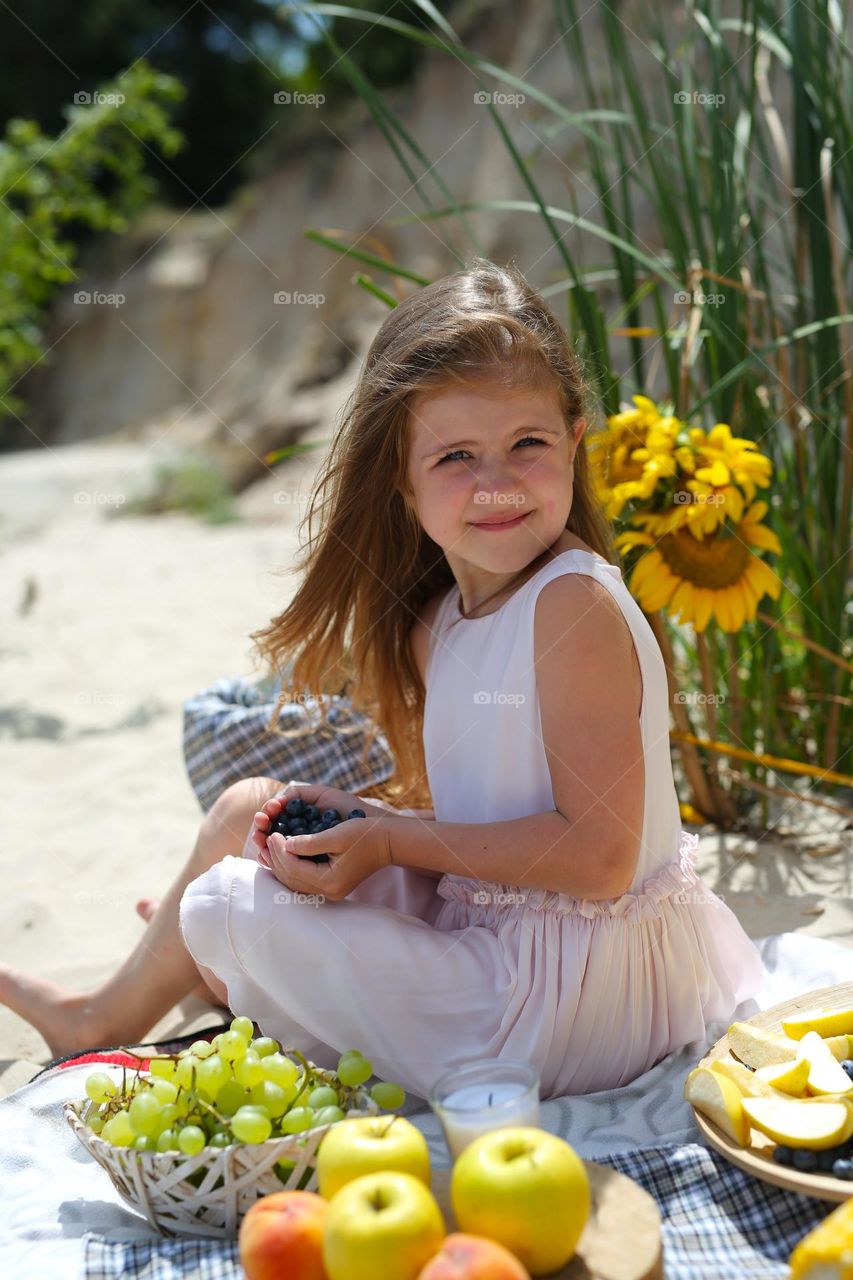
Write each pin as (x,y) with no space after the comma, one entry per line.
(146,907)
(65,1019)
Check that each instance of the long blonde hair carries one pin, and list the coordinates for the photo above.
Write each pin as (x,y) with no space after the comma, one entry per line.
(370,568)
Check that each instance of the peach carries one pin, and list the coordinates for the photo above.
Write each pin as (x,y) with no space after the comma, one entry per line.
(468,1257)
(282,1235)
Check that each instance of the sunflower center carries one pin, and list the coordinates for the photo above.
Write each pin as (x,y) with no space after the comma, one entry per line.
(714,563)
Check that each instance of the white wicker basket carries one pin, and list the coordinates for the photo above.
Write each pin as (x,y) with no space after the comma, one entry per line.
(156,1183)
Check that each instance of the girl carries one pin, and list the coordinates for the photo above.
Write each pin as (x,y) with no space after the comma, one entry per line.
(546,907)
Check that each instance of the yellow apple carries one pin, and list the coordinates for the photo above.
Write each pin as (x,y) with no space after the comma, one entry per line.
(719,1098)
(759,1048)
(825,1022)
(788,1077)
(751,1083)
(799,1122)
(525,1188)
(826,1074)
(370,1144)
(382,1226)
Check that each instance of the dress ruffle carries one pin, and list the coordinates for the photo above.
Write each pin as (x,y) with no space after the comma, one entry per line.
(676,881)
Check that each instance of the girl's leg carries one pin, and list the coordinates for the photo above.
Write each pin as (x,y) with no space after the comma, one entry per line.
(159,971)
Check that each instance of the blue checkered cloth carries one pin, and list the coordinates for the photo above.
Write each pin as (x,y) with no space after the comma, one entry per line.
(225,739)
(718,1223)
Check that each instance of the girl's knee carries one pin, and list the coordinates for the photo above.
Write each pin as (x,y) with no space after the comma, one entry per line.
(230,819)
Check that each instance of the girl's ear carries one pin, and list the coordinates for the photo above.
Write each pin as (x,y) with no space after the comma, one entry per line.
(576,435)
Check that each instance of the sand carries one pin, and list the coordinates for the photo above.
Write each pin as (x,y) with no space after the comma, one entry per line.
(108,626)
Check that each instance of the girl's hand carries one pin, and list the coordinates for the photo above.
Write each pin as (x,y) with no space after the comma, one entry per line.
(311,793)
(356,847)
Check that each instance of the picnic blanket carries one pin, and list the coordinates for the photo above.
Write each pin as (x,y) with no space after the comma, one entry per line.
(60,1215)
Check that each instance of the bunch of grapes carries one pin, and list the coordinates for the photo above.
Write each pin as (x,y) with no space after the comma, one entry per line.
(233,1088)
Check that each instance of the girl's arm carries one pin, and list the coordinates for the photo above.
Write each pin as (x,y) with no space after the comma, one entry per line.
(588,845)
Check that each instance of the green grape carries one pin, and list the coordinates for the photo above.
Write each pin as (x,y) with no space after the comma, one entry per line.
(118,1130)
(271,1096)
(186,1067)
(264,1046)
(99,1086)
(353,1071)
(163,1068)
(164,1091)
(231,1097)
(166,1120)
(167,1141)
(233,1047)
(202,1048)
(251,1124)
(328,1115)
(220,1140)
(282,1070)
(323,1096)
(143,1113)
(297,1120)
(191,1140)
(144,1144)
(249,1071)
(243,1027)
(212,1074)
(96,1124)
(388,1096)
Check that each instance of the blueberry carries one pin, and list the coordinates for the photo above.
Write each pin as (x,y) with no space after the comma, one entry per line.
(782,1154)
(313,857)
(847,1064)
(826,1159)
(295,807)
(312,813)
(356,813)
(804,1160)
(280,827)
(330,815)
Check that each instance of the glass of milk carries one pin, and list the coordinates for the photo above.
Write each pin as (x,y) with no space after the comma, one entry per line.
(487,1093)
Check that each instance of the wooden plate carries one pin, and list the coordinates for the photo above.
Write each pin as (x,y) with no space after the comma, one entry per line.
(621,1240)
(757,1158)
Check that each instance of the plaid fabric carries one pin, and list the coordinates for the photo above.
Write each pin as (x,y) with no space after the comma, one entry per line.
(718,1223)
(226,739)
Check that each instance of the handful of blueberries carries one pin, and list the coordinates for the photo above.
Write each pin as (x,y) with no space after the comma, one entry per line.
(300,819)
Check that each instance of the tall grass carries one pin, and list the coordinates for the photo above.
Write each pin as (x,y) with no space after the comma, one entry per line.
(739,137)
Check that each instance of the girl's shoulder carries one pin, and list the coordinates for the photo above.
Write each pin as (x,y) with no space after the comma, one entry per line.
(421,632)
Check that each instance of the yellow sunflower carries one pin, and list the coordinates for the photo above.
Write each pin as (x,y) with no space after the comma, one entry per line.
(632,454)
(697,578)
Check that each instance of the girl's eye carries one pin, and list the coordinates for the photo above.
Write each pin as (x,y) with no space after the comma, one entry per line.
(450,456)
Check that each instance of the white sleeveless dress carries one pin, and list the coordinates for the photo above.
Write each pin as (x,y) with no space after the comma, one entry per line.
(422,975)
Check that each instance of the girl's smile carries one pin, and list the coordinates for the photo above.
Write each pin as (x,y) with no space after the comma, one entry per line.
(493,525)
